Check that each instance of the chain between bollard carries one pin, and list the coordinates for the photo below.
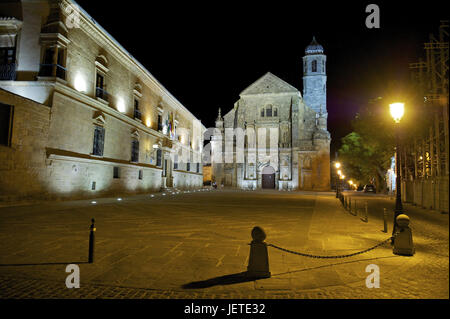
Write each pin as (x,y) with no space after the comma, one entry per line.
(335,257)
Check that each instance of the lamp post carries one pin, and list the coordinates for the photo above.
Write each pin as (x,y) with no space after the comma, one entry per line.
(397,112)
(338,166)
(341,186)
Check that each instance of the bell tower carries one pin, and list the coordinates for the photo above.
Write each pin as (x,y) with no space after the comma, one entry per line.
(315,78)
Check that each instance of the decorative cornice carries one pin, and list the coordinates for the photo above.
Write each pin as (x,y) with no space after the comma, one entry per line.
(11,24)
(105,109)
(54,37)
(101,67)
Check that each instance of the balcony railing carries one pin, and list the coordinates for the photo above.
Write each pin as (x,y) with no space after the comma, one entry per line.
(50,70)
(101,93)
(137,114)
(8,72)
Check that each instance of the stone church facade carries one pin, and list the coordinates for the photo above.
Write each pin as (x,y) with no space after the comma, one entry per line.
(82,118)
(300,159)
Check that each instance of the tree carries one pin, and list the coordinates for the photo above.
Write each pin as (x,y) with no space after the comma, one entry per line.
(367,151)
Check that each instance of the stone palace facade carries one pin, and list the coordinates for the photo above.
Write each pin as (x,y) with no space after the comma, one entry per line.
(300,159)
(80,117)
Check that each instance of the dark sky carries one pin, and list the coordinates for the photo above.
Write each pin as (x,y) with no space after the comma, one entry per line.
(205,54)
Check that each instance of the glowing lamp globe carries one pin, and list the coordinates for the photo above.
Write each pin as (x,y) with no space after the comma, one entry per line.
(397,111)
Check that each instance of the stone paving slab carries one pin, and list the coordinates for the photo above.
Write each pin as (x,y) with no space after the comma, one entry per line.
(150,247)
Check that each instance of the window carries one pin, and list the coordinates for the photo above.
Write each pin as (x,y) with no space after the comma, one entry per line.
(166,167)
(198,167)
(7,64)
(141,174)
(314,66)
(323,66)
(188,166)
(99,141)
(6,123)
(275,112)
(262,113)
(158,158)
(175,162)
(135,151)
(137,112)
(116,172)
(54,62)
(94,185)
(269,111)
(100,87)
(160,127)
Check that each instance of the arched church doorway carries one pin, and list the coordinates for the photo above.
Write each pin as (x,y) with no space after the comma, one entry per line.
(268,178)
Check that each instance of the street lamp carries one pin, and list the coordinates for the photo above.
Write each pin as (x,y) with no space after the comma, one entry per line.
(397,112)
(341,184)
(337,165)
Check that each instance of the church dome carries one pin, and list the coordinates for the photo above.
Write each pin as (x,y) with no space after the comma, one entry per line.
(314,48)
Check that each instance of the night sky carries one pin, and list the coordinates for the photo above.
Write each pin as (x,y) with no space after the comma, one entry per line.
(205,54)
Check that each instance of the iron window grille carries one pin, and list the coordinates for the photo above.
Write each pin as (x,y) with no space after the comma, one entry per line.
(99,141)
(135,151)
(116,172)
(158,158)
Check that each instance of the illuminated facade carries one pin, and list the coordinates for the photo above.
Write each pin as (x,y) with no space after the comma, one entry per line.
(80,116)
(272,108)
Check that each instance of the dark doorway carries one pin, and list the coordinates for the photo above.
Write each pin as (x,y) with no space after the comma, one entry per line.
(268,178)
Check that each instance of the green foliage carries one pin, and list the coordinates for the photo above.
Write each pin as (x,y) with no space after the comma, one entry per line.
(366,153)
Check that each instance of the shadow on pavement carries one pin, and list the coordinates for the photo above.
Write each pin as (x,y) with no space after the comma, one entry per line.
(336,264)
(45,264)
(224,280)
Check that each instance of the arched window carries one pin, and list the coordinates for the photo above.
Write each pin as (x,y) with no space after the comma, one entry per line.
(314,66)
(269,111)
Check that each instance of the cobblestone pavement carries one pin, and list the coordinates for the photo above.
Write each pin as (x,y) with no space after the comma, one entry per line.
(149,247)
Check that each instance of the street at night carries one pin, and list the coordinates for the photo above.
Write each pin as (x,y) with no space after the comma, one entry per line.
(154,247)
(228,160)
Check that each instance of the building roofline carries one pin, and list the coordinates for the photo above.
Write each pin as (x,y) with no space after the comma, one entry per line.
(118,46)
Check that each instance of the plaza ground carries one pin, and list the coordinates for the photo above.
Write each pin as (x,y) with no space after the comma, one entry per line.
(180,245)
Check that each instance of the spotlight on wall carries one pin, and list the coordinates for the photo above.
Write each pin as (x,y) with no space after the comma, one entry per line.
(94,203)
(121,106)
(119,199)
(156,146)
(80,83)
(148,122)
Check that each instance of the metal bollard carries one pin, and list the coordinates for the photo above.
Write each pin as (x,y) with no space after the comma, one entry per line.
(345,202)
(385,217)
(92,241)
(355,213)
(258,262)
(350,205)
(365,218)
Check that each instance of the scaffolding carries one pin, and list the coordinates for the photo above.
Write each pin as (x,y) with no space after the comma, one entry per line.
(425,161)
